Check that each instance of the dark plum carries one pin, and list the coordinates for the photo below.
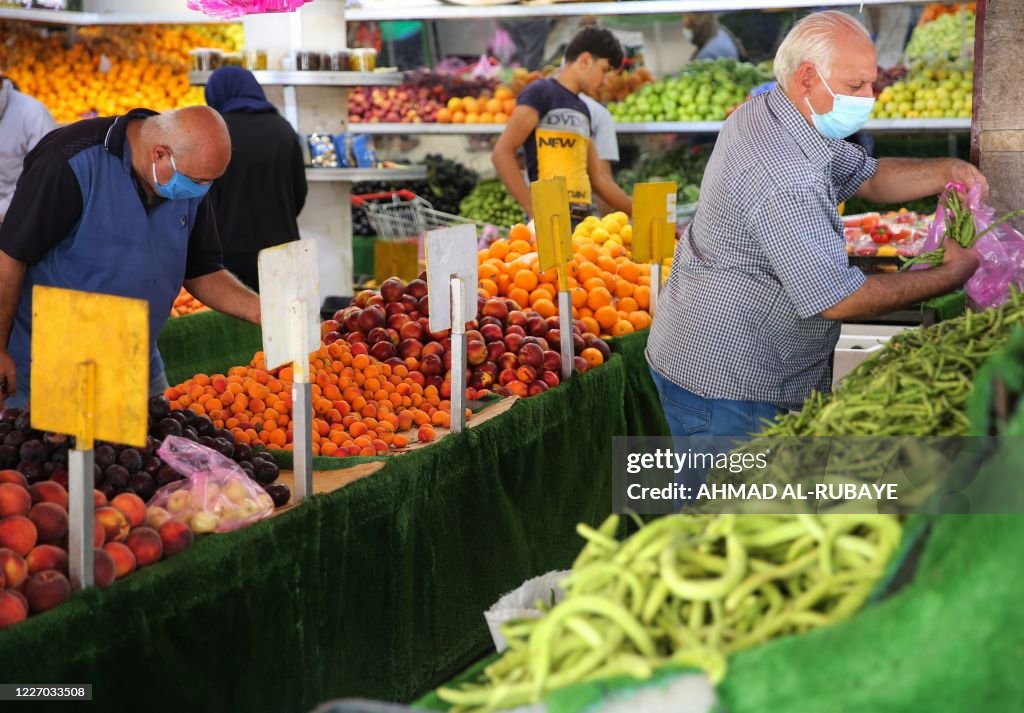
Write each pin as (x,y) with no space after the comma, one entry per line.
(97,475)
(108,490)
(49,468)
(151,465)
(279,493)
(5,428)
(117,476)
(104,455)
(8,456)
(56,439)
(130,459)
(263,455)
(15,438)
(224,446)
(243,452)
(60,455)
(152,444)
(23,422)
(203,426)
(225,434)
(190,433)
(166,474)
(167,427)
(159,408)
(265,472)
(206,441)
(180,417)
(143,485)
(32,470)
(10,415)
(247,466)
(32,450)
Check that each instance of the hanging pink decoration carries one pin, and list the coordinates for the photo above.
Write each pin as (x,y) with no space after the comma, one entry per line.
(228,9)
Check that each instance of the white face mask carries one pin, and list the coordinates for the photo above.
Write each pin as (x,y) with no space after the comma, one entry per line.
(848,115)
(688,34)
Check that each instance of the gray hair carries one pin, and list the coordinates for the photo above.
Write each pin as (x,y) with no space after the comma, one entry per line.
(167,129)
(813,40)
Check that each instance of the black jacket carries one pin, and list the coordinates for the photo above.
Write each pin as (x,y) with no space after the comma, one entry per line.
(259,197)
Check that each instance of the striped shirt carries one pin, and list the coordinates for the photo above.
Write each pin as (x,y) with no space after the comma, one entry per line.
(739,317)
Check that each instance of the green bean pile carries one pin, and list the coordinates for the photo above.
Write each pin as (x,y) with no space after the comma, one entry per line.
(686,591)
(916,386)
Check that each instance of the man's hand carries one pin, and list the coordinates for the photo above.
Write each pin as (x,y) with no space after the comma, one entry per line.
(964,262)
(969,176)
(8,377)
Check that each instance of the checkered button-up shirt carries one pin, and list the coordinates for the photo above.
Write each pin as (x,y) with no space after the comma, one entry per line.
(762,258)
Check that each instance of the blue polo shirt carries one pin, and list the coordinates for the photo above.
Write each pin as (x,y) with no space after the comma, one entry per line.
(80,220)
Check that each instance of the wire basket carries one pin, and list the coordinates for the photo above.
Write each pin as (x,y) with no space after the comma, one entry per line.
(402,216)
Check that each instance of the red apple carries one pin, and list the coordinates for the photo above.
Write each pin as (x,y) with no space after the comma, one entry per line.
(331,337)
(489,320)
(329,325)
(515,329)
(423,305)
(435,348)
(431,365)
(410,348)
(416,288)
(536,326)
(578,344)
(526,374)
(554,322)
(506,377)
(382,351)
(355,338)
(396,321)
(537,387)
(392,289)
(371,318)
(554,338)
(359,348)
(377,334)
(580,364)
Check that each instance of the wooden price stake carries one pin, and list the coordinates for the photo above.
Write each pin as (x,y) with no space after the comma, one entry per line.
(654,229)
(451,294)
(290,312)
(554,244)
(108,381)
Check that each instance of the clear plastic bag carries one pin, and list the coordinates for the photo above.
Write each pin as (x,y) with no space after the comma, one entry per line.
(216,495)
(1000,251)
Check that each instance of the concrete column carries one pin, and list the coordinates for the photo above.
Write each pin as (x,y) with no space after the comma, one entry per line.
(998,135)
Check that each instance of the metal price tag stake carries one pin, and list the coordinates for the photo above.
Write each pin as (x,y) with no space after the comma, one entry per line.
(451,295)
(654,229)
(108,388)
(554,245)
(290,311)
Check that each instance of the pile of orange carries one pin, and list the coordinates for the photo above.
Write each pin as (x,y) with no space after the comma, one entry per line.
(185,303)
(106,70)
(610,293)
(361,406)
(485,109)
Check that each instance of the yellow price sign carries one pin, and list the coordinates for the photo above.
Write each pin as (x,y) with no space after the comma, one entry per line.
(654,221)
(553,226)
(90,366)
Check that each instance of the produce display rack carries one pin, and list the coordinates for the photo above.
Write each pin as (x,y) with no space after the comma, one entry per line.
(895,126)
(357,175)
(78,19)
(314,79)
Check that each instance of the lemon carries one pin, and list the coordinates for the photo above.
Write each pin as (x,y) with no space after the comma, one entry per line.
(599,236)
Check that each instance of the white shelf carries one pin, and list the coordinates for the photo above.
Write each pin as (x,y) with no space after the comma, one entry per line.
(70,17)
(420,10)
(315,79)
(355,175)
(656,127)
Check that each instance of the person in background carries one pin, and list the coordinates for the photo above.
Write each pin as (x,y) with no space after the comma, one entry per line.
(711,38)
(403,43)
(607,143)
(23,122)
(258,199)
(553,126)
(751,313)
(529,37)
(117,205)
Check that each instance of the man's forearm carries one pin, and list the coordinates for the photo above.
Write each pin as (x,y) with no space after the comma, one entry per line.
(899,180)
(12,276)
(223,292)
(510,175)
(881,294)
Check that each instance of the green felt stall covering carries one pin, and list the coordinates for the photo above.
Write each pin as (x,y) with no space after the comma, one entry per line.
(643,412)
(206,343)
(950,641)
(374,590)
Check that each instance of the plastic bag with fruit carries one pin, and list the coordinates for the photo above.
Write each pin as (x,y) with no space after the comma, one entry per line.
(216,495)
(964,217)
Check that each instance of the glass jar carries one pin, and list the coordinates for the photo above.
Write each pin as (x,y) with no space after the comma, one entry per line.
(205,59)
(338,61)
(254,60)
(363,59)
(231,59)
(306,61)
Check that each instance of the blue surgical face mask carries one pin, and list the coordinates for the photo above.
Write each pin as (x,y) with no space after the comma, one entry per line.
(848,115)
(180,187)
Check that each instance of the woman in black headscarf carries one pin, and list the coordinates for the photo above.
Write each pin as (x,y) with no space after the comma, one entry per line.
(257,201)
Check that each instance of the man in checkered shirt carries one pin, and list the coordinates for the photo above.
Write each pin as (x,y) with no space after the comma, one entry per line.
(747,323)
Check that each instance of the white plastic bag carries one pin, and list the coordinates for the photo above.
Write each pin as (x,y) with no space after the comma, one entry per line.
(521,603)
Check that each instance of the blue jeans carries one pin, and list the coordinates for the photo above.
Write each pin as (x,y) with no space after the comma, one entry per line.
(709,425)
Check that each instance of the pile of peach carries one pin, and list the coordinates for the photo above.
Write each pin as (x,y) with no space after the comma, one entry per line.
(33,543)
(610,293)
(185,303)
(361,406)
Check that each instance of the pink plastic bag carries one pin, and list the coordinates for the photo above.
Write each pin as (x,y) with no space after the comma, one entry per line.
(229,9)
(1000,251)
(216,495)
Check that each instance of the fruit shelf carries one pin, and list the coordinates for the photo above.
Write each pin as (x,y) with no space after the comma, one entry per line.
(315,79)
(427,10)
(71,17)
(356,175)
(655,127)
